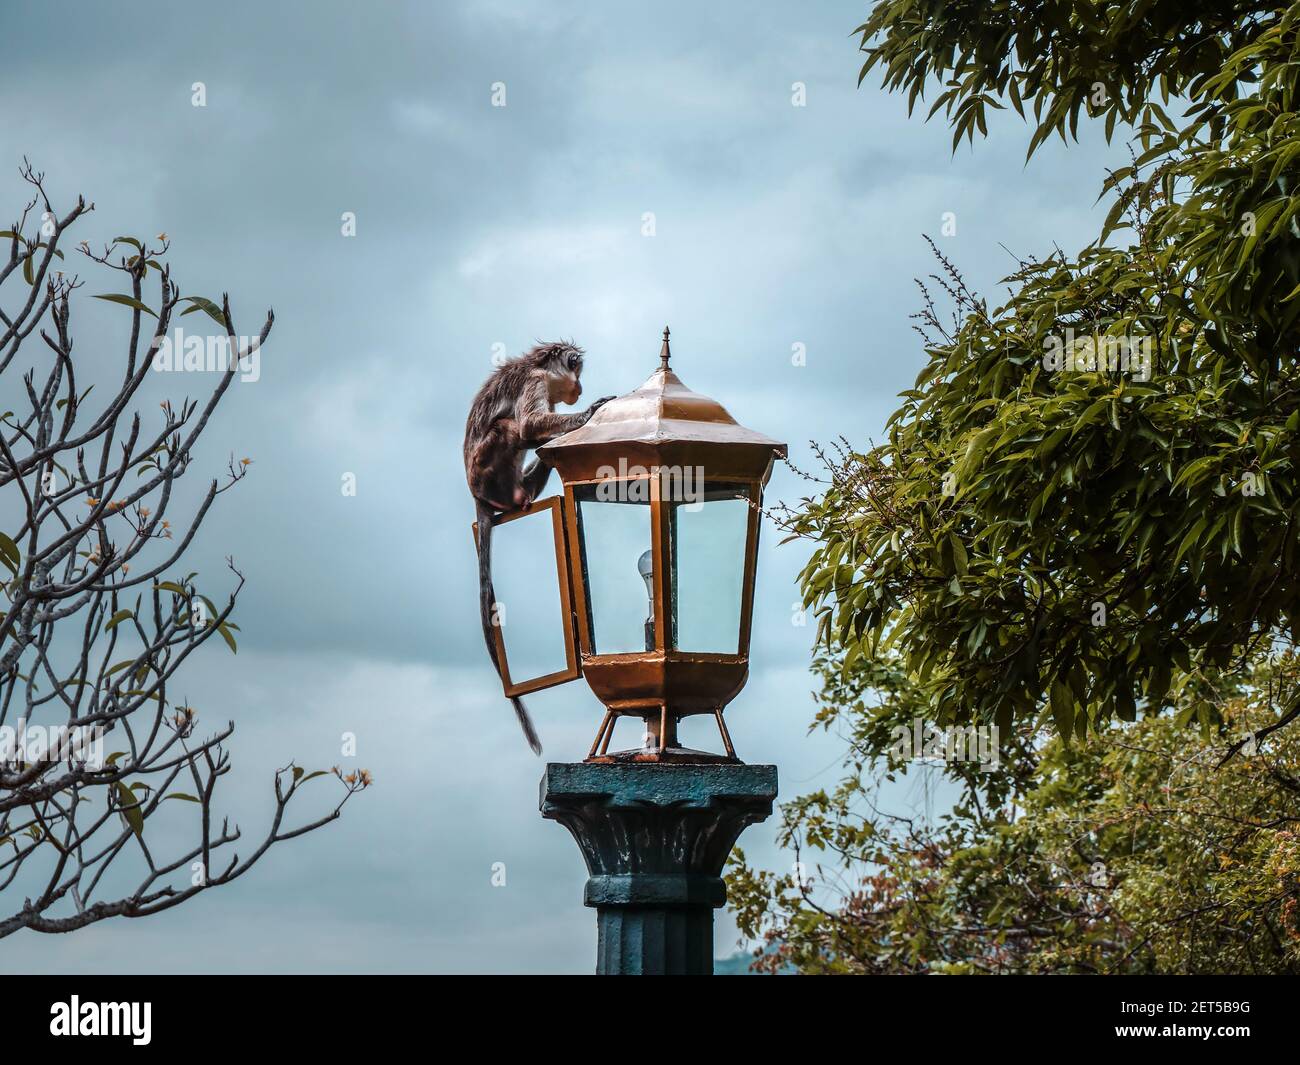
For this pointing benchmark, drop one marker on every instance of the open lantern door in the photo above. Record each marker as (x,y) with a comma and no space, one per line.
(528,603)
(655,545)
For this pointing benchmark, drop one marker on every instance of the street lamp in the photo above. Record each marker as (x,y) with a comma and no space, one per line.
(662,496)
(661,484)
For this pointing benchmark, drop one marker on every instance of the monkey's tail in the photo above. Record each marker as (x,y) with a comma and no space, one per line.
(487,599)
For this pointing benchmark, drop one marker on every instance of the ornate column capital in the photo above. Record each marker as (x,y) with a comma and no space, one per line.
(655,837)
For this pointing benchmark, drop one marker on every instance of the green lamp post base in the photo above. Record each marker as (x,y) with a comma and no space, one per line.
(655,837)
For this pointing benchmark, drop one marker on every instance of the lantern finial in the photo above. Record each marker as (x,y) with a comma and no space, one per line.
(664,353)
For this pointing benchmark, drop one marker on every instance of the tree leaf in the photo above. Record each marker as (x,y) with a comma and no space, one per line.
(1062,704)
(200,303)
(126,301)
(9,554)
(129,804)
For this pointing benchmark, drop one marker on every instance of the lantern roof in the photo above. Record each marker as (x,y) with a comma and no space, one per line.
(664,421)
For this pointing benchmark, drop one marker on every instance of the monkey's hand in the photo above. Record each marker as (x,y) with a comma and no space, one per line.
(585,416)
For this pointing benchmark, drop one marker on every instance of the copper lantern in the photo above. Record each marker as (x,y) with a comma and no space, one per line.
(656,542)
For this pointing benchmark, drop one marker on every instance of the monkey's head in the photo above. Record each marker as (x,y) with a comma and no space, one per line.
(562,361)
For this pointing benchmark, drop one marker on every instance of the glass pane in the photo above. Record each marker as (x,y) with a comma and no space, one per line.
(614,530)
(527,587)
(708,553)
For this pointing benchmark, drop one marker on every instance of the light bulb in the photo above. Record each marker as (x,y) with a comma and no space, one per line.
(645,566)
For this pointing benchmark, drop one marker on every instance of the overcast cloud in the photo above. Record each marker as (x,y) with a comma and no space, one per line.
(775,225)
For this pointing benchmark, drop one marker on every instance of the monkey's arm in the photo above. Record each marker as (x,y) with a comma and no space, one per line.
(537,422)
(535,476)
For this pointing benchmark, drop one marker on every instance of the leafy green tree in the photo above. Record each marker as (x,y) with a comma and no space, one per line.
(1130,852)
(1086,507)
(1084,512)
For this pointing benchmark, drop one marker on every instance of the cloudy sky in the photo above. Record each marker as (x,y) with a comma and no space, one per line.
(481,228)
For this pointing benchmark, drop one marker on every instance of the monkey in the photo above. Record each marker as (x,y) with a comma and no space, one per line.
(513,413)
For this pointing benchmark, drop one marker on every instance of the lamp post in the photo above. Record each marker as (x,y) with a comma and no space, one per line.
(662,492)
